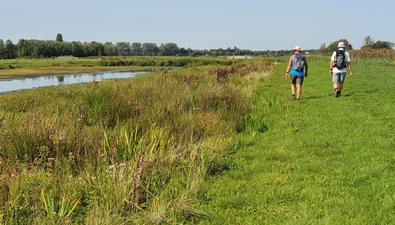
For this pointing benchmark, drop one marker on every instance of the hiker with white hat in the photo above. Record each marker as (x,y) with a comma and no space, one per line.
(340,61)
(298,69)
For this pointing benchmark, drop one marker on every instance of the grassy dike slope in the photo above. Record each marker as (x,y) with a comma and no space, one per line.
(121,152)
(322,160)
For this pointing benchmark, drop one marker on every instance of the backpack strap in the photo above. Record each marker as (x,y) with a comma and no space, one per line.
(295,56)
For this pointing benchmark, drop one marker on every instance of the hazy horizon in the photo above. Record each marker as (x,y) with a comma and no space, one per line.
(252,24)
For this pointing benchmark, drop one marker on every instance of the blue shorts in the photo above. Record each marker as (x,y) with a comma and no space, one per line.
(297,73)
(338,78)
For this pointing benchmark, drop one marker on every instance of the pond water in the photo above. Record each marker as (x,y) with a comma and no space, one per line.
(17,84)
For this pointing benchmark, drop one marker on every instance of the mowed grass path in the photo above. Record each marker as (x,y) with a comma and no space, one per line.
(322,161)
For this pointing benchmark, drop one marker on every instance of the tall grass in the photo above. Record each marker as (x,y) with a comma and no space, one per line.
(119,152)
(373,53)
(112,61)
(38,67)
(163,61)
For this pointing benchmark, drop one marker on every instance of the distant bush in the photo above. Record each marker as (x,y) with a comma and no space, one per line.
(369,43)
(333,46)
(373,53)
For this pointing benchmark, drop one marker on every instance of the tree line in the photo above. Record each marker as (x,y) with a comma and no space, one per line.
(54,48)
(368,43)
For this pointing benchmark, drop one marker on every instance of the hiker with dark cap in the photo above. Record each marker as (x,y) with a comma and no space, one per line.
(298,69)
(340,61)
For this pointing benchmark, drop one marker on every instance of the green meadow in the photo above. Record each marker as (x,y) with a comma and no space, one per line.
(216,141)
(320,160)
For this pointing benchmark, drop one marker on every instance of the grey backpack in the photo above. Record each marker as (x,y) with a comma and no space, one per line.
(340,59)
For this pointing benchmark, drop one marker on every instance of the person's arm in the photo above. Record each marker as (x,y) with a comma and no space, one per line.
(289,67)
(331,66)
(349,68)
(306,68)
(349,64)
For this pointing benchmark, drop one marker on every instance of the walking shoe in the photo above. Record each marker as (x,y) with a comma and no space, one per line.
(338,93)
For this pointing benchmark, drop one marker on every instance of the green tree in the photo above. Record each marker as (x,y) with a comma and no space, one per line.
(92,48)
(150,49)
(123,48)
(2,49)
(168,49)
(59,37)
(110,49)
(333,46)
(382,45)
(368,42)
(24,48)
(183,52)
(67,48)
(136,49)
(77,49)
(9,50)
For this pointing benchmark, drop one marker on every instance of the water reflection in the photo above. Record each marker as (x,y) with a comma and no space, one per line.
(60,80)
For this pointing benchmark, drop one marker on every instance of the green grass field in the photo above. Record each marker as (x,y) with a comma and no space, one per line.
(219,142)
(322,160)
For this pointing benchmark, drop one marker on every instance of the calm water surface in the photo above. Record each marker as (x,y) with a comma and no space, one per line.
(17,84)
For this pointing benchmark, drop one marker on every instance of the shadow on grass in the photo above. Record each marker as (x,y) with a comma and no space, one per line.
(313,97)
(348,95)
(329,95)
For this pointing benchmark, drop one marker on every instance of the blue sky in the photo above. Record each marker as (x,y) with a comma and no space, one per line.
(201,24)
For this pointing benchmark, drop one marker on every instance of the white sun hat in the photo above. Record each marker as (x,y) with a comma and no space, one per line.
(297,48)
(341,45)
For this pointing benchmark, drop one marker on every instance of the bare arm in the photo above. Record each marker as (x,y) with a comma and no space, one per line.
(289,67)
(349,68)
(306,68)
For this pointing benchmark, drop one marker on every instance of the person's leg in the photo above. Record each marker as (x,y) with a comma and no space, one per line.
(336,83)
(340,87)
(293,84)
(342,77)
(335,86)
(341,81)
(299,87)
(298,91)
(293,89)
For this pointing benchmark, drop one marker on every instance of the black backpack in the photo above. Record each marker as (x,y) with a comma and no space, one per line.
(340,59)
(298,62)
